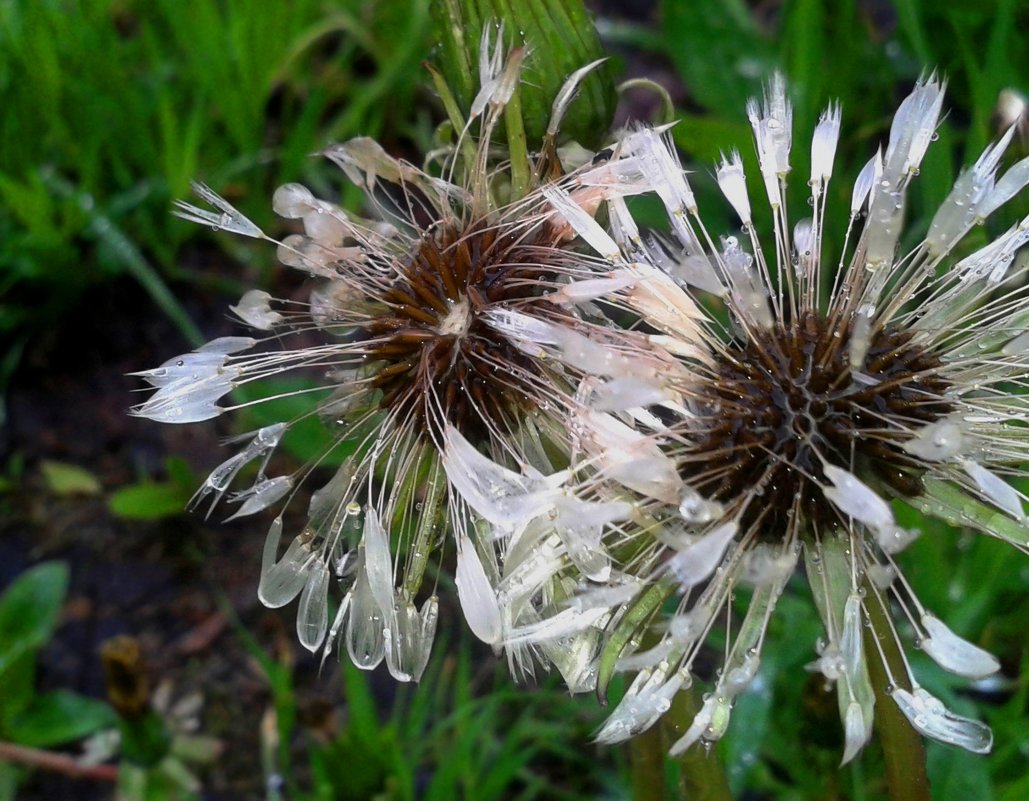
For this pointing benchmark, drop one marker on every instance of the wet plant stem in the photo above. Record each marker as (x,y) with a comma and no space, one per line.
(701,776)
(903,748)
(517,148)
(647,765)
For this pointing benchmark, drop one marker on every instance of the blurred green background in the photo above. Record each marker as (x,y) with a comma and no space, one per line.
(108,108)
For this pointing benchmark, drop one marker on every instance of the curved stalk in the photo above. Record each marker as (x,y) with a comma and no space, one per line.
(903,748)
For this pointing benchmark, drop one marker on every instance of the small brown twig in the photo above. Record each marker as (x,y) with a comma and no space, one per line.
(59,763)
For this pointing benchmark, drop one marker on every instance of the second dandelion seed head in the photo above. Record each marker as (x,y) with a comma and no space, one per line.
(774,410)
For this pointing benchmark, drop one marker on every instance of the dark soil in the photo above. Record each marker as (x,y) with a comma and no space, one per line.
(178,585)
(162,583)
(184,587)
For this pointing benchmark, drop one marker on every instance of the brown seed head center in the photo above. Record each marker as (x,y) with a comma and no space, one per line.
(785,403)
(434,342)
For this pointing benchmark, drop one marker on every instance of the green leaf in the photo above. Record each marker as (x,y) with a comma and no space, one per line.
(911,23)
(751,719)
(804,39)
(958,775)
(145,740)
(363,720)
(19,682)
(180,472)
(8,781)
(149,500)
(29,610)
(308,438)
(718,50)
(59,717)
(69,479)
(706,137)
(559,38)
(1016,791)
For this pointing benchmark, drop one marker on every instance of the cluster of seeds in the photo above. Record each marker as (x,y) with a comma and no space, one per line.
(553,398)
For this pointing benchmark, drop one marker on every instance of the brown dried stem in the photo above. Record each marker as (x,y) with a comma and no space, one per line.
(58,763)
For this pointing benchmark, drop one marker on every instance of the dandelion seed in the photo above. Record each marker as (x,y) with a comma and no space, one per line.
(823,402)
(453,329)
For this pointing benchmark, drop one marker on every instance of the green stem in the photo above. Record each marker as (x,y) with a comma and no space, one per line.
(903,748)
(457,120)
(517,146)
(701,777)
(647,762)
(429,520)
(642,608)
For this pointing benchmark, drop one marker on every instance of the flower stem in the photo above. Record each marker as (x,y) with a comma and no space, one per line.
(516,145)
(903,749)
(647,765)
(701,777)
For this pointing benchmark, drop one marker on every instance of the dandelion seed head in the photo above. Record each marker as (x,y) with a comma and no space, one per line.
(434,338)
(441,342)
(778,408)
(600,421)
(819,391)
